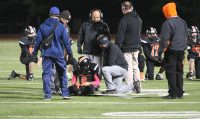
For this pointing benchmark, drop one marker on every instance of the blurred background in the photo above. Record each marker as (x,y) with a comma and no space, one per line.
(15,15)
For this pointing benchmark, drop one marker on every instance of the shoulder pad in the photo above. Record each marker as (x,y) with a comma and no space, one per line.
(144,40)
(94,67)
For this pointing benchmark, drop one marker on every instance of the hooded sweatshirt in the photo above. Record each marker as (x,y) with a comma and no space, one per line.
(169,10)
(173,30)
(60,40)
(129,31)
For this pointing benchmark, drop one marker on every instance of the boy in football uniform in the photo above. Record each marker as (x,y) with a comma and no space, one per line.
(85,79)
(150,46)
(193,49)
(26,44)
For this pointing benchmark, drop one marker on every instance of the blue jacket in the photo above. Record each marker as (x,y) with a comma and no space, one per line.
(60,41)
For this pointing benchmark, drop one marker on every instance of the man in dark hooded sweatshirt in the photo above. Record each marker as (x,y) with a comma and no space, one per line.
(174,43)
(128,40)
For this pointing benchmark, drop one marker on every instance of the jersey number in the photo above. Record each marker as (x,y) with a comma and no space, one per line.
(154,51)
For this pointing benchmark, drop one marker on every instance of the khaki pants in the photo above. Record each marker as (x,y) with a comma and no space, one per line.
(133,69)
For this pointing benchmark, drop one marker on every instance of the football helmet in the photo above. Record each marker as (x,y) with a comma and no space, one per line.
(151,30)
(30,31)
(193,32)
(83,61)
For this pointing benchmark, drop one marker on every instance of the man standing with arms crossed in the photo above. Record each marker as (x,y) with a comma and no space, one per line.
(174,43)
(128,40)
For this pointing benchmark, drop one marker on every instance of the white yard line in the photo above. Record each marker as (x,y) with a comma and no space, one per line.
(62,117)
(151,114)
(121,115)
(84,102)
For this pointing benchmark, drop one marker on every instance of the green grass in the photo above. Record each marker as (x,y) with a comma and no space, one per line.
(23,99)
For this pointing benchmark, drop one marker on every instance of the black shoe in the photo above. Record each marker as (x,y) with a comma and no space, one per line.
(12,75)
(169,97)
(187,75)
(137,87)
(109,92)
(180,96)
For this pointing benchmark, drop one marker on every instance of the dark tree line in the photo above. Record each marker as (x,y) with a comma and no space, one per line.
(16,14)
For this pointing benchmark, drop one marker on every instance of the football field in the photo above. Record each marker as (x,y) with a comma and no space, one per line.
(20,99)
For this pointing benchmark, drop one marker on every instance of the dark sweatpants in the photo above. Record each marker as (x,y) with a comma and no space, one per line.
(174,72)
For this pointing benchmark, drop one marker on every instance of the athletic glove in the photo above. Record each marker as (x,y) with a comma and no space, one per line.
(70,59)
(160,59)
(79,51)
(34,58)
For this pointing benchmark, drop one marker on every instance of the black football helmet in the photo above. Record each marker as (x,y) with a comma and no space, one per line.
(193,32)
(83,61)
(151,30)
(193,29)
(30,31)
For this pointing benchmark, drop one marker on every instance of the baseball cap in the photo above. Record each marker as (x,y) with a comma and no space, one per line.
(54,11)
(103,40)
(65,14)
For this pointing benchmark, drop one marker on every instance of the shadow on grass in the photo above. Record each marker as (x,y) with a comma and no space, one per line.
(24,88)
(17,97)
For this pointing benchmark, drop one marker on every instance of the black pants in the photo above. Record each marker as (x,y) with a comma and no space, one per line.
(150,69)
(141,63)
(174,72)
(197,67)
(26,61)
(83,90)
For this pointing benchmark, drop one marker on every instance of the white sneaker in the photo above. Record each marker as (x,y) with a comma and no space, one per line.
(190,78)
(66,98)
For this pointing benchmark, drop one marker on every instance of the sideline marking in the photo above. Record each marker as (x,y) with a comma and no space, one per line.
(123,103)
(123,115)
(151,114)
(63,117)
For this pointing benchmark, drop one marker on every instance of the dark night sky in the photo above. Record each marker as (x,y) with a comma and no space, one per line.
(16,14)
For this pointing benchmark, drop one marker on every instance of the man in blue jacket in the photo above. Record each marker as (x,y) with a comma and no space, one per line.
(55,53)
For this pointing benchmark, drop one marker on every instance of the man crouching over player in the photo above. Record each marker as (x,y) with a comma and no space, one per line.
(115,68)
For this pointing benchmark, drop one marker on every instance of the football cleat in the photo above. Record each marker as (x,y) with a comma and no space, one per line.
(12,75)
